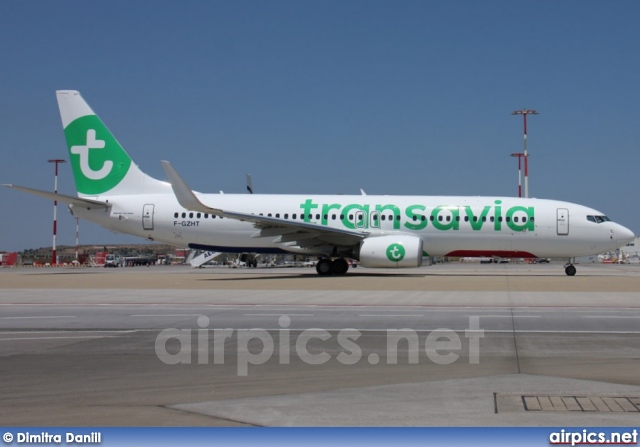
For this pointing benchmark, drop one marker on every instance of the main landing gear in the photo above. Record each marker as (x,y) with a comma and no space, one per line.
(569,268)
(326,267)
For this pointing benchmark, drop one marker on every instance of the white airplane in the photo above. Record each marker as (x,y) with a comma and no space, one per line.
(378,231)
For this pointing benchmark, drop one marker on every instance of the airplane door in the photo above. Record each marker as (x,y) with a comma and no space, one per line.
(361,219)
(147,217)
(563,221)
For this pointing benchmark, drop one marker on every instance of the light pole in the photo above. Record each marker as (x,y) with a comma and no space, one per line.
(519,155)
(54,258)
(524,113)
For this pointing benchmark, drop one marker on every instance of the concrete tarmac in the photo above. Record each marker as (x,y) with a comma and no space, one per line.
(462,344)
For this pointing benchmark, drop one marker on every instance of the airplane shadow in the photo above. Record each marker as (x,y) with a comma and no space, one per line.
(385,275)
(311,276)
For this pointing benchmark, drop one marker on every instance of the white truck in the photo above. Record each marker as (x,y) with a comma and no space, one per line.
(112,261)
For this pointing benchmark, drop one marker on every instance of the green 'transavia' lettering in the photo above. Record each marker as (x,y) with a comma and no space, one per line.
(355,216)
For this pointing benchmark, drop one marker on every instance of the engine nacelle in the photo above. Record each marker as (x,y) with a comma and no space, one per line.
(393,251)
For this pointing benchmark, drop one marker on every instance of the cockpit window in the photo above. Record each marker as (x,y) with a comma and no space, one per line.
(598,219)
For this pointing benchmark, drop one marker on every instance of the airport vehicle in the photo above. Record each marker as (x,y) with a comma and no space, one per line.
(112,260)
(377,231)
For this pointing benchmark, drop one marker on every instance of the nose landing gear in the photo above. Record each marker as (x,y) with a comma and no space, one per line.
(569,268)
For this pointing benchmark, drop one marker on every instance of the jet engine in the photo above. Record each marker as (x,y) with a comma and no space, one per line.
(391,251)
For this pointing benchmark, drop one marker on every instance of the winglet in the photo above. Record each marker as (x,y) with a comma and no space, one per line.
(249,185)
(186,198)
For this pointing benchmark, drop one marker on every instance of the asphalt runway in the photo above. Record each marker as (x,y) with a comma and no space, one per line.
(457,344)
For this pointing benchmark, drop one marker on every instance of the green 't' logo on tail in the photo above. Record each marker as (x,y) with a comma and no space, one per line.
(99,162)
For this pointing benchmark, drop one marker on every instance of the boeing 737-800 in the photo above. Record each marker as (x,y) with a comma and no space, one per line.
(378,231)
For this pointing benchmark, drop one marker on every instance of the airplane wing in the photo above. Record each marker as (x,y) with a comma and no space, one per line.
(62,198)
(303,233)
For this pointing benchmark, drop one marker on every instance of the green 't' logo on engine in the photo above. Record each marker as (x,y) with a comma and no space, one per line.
(99,163)
(395,252)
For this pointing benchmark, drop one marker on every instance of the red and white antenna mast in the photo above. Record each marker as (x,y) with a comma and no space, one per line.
(54,258)
(524,113)
(519,155)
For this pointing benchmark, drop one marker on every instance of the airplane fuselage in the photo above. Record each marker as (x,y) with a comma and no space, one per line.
(448,226)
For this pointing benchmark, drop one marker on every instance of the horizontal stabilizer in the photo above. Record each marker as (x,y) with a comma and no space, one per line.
(71,200)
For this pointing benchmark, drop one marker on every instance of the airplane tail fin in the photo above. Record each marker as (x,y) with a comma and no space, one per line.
(100,164)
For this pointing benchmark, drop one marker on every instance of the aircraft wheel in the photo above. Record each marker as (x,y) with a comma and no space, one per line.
(570,270)
(339,266)
(323,267)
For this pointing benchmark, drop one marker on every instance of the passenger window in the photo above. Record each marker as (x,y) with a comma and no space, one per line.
(439,218)
(415,217)
(326,217)
(278,215)
(333,217)
(206,216)
(293,216)
(175,215)
(383,217)
(515,219)
(190,215)
(184,215)
(198,215)
(475,218)
(492,218)
(423,218)
(466,218)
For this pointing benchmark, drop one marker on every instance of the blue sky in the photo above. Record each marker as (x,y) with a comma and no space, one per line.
(409,97)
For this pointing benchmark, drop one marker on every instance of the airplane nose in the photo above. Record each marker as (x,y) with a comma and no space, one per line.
(624,235)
